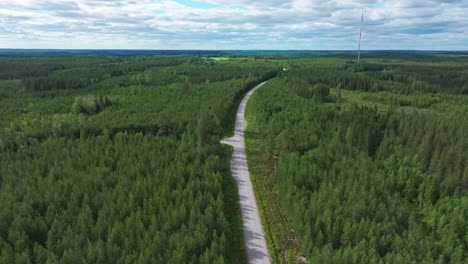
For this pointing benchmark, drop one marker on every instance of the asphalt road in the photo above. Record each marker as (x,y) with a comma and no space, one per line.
(255,243)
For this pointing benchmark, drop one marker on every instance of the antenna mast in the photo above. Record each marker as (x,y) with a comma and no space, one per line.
(360,37)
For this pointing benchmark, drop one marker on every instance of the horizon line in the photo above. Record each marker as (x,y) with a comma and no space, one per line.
(137,49)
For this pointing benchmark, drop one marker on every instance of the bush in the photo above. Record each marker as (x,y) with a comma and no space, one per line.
(91,104)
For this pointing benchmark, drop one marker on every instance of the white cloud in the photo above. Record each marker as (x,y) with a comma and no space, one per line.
(273,24)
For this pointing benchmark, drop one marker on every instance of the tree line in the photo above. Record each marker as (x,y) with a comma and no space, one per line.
(361,184)
(129,170)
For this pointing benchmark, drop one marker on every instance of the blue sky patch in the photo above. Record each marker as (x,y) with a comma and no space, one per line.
(422,31)
(196,4)
(378,5)
(239,7)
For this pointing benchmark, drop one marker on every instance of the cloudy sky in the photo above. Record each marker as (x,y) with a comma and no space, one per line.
(231,24)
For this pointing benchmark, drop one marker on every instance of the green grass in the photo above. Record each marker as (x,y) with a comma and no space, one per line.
(357,97)
(220,58)
(437,103)
(236,246)
(282,243)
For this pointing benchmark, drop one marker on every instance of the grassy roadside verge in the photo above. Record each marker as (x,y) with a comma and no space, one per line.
(281,240)
(235,244)
(229,120)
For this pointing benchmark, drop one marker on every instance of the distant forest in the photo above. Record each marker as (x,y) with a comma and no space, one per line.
(115,157)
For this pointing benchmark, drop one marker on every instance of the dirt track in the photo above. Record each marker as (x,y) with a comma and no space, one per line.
(255,243)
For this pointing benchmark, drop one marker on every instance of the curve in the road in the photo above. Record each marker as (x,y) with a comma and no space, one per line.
(257,251)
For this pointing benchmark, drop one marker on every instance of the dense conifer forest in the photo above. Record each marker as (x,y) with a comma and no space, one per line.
(371,158)
(116,159)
